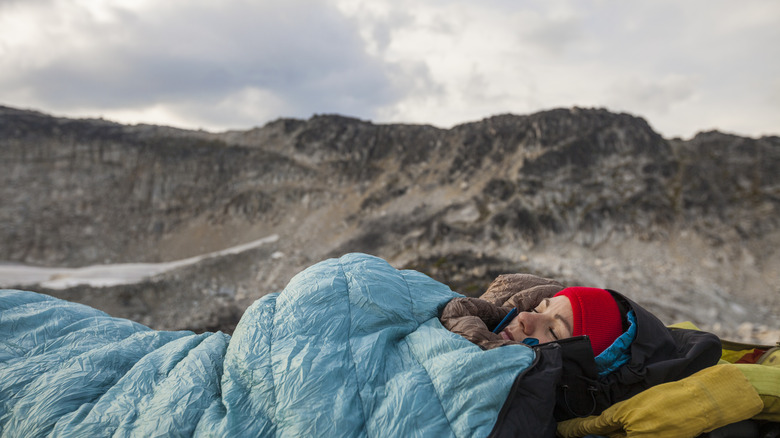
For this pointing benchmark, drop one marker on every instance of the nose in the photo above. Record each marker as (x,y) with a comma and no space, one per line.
(529,321)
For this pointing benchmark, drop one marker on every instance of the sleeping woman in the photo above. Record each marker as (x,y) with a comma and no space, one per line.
(611,347)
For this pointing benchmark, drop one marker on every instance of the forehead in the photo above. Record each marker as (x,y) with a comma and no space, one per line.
(559,304)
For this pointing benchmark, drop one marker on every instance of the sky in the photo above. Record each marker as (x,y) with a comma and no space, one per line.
(684,66)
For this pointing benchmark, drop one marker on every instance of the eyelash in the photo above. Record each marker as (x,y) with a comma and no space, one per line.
(551,330)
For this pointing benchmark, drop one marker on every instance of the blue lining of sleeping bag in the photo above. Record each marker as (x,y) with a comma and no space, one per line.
(619,353)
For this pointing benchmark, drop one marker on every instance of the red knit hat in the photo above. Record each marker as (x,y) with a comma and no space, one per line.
(596,314)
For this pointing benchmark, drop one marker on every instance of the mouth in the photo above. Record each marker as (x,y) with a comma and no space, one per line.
(507,336)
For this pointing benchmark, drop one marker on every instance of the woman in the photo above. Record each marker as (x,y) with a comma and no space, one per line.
(609,347)
(574,311)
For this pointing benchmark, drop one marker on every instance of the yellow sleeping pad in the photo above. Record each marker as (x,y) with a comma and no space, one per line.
(712,398)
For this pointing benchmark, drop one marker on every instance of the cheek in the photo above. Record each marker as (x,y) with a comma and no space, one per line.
(545,337)
(514,326)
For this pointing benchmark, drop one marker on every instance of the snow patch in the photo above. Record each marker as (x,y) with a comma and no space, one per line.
(108,275)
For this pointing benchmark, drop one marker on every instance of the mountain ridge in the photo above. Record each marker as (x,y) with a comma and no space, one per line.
(503,194)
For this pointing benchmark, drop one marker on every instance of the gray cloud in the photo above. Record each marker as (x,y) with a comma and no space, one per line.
(656,96)
(306,53)
(555,34)
(237,63)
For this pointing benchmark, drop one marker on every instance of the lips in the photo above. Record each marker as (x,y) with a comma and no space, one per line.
(507,336)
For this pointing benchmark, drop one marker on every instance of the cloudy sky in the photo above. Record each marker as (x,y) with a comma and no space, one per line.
(685,66)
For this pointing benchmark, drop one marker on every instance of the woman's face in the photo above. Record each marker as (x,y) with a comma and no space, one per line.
(551,320)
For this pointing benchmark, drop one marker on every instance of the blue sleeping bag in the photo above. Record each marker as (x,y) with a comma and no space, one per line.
(351,347)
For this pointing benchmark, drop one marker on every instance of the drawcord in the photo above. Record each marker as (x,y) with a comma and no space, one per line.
(591,389)
(505,322)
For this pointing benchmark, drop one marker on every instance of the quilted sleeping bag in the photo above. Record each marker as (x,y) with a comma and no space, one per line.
(351,347)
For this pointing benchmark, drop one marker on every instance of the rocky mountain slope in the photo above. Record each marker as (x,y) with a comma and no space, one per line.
(586,196)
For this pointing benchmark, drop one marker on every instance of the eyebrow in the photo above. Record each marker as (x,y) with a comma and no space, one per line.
(558,316)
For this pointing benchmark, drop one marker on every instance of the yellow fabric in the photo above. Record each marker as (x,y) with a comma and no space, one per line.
(712,398)
(685,325)
(771,358)
(734,351)
(766,381)
(732,356)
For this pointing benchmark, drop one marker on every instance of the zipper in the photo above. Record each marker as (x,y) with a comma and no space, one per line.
(516,384)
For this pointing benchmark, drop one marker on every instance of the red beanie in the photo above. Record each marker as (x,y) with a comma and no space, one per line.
(596,314)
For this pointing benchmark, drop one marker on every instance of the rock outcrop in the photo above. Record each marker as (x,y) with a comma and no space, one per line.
(688,227)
